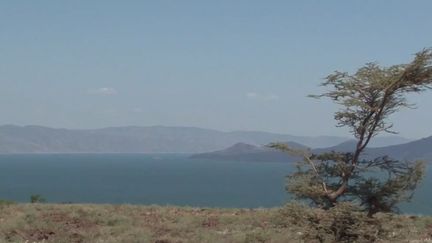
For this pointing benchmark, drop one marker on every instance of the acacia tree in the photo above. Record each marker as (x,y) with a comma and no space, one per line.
(367,99)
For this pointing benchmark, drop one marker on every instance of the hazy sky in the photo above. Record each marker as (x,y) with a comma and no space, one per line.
(227,65)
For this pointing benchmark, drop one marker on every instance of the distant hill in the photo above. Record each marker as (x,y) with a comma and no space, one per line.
(135,139)
(262,138)
(384,141)
(247,152)
(346,146)
(419,149)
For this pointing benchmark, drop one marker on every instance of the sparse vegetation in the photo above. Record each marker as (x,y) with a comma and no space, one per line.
(126,223)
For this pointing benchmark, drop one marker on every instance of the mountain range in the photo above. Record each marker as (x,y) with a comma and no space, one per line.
(419,149)
(153,139)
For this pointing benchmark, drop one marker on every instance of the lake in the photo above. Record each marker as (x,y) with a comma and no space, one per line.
(163,179)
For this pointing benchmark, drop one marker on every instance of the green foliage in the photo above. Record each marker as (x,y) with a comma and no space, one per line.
(383,192)
(377,185)
(367,97)
(36,198)
(373,93)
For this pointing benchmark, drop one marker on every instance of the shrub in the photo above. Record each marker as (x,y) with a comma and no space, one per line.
(36,198)
(344,222)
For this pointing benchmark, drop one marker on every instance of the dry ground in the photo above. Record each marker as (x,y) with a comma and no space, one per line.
(126,223)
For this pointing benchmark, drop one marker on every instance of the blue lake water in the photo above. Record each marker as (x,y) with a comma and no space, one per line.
(156,179)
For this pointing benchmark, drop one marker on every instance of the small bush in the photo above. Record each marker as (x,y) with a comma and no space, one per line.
(37,199)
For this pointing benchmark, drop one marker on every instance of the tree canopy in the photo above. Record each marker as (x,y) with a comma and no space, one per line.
(367,99)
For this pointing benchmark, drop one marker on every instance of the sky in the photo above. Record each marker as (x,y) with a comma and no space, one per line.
(225,65)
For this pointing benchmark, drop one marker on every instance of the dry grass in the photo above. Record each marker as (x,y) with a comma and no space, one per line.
(126,223)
